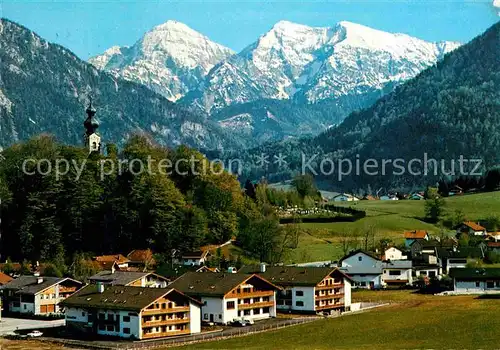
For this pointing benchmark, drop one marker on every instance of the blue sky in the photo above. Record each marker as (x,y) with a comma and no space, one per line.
(89,27)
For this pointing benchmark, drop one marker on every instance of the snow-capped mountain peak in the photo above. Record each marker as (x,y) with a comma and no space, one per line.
(316,63)
(171,59)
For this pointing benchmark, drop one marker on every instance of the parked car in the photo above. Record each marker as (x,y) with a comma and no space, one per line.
(249,321)
(35,334)
(240,323)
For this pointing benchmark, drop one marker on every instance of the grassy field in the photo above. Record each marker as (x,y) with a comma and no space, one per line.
(416,322)
(389,219)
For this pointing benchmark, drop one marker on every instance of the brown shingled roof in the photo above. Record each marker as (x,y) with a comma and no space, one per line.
(294,275)
(119,297)
(214,284)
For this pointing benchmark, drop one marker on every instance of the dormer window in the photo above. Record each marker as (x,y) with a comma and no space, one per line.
(360,258)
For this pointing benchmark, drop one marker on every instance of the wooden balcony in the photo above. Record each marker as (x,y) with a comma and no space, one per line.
(255,305)
(164,334)
(330,286)
(165,311)
(266,293)
(167,322)
(328,307)
(329,296)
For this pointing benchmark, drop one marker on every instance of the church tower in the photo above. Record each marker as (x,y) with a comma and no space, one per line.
(91,138)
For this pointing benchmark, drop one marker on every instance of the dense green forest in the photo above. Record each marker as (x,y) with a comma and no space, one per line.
(123,201)
(450,109)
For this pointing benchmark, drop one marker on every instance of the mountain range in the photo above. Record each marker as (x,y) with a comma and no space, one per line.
(348,66)
(44,88)
(449,111)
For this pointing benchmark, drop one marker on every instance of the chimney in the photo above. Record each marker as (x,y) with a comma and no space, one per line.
(100,287)
(39,280)
(262,267)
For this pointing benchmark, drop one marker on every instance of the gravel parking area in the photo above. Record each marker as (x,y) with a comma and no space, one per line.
(8,324)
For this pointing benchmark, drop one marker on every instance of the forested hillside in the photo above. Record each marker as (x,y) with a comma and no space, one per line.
(123,201)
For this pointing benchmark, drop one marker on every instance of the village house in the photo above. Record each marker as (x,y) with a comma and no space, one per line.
(475,280)
(416,196)
(426,266)
(394,253)
(470,228)
(458,257)
(397,273)
(493,246)
(35,295)
(492,237)
(197,258)
(411,236)
(389,197)
(230,296)
(141,259)
(363,268)
(107,261)
(344,197)
(129,278)
(132,312)
(307,289)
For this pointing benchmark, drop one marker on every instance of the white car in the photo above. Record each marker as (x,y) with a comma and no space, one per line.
(35,334)
(249,321)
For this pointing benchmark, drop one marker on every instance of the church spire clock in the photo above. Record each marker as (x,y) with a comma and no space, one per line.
(91,138)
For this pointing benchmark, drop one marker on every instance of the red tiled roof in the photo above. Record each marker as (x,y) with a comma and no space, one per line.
(141,255)
(417,234)
(494,244)
(120,259)
(4,278)
(474,226)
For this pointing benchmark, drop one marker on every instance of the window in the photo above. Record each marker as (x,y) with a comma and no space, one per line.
(299,293)
(256,311)
(230,305)
(102,316)
(394,273)
(265,299)
(239,313)
(478,284)
(299,303)
(102,327)
(246,312)
(279,302)
(126,330)
(288,302)
(490,284)
(432,273)
(360,258)
(110,328)
(362,284)
(205,316)
(16,304)
(220,316)
(126,318)
(265,310)
(25,307)
(83,314)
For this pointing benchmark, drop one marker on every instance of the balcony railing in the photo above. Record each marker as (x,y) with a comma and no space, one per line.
(255,305)
(331,306)
(266,293)
(164,334)
(329,296)
(330,286)
(165,322)
(165,311)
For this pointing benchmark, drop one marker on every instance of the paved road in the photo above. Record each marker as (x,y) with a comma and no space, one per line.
(8,324)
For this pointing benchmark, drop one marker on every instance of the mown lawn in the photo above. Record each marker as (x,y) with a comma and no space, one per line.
(416,322)
(389,219)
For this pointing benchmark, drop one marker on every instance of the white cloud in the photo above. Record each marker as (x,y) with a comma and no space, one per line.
(496,5)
